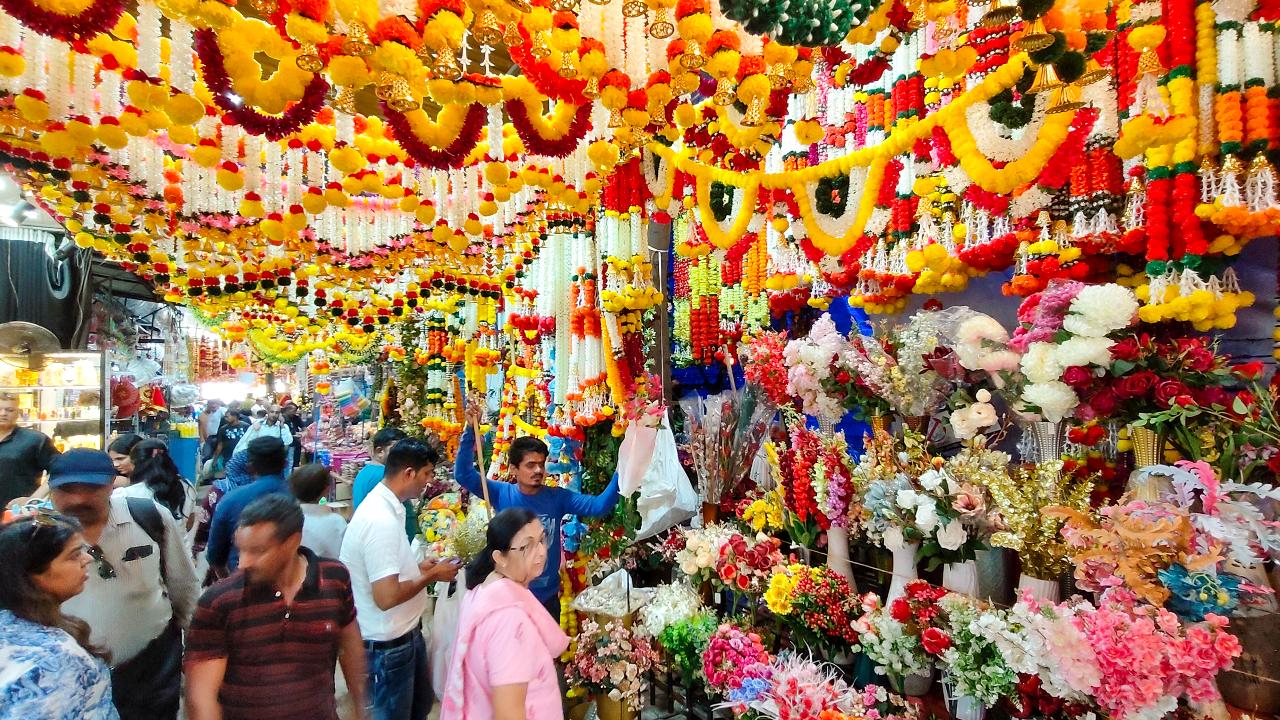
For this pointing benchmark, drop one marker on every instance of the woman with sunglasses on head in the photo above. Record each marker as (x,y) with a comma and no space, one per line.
(48,668)
(503,663)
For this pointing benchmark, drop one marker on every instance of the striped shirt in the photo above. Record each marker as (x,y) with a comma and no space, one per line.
(280,658)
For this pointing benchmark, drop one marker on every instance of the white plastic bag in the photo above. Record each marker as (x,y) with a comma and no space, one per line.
(667,498)
(444,630)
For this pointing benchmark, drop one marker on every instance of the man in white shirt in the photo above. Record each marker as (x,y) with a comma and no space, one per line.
(142,588)
(390,585)
(273,425)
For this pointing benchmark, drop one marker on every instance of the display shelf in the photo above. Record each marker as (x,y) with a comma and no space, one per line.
(45,388)
(56,398)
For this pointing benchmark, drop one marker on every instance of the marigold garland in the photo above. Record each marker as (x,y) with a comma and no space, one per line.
(98,17)
(445,149)
(557,136)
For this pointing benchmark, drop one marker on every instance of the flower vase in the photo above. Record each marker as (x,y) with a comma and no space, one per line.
(912,685)
(915,423)
(904,570)
(880,423)
(961,707)
(609,709)
(710,513)
(1044,440)
(838,554)
(1148,446)
(1046,590)
(961,577)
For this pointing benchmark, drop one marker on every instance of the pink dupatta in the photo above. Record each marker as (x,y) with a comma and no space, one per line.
(498,595)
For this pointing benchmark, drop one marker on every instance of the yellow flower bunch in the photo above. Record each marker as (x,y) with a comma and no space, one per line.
(766,514)
(1204,309)
(782,585)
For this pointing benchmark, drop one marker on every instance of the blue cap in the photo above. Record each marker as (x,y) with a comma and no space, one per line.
(81,466)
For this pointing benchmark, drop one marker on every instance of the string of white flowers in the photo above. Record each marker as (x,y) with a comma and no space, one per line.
(495,132)
(991,142)
(181,56)
(33,51)
(315,168)
(637,58)
(614,38)
(84,82)
(58,92)
(10,36)
(272,172)
(109,95)
(148,31)
(1229,70)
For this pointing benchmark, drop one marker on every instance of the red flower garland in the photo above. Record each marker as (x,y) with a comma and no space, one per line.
(423,154)
(547,80)
(535,144)
(100,16)
(274,127)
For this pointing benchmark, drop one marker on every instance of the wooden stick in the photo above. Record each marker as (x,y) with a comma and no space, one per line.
(484,474)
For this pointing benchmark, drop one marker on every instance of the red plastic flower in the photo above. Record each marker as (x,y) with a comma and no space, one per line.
(934,641)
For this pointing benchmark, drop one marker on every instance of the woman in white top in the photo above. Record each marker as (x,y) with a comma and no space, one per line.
(156,476)
(322,528)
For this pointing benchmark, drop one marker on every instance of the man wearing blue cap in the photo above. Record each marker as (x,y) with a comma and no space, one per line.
(142,587)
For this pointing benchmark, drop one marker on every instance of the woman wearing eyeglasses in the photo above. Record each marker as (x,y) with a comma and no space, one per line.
(503,664)
(48,669)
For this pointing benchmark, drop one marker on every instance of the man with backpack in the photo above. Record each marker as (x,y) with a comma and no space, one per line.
(142,588)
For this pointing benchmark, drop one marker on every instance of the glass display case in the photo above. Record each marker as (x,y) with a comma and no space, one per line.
(61,394)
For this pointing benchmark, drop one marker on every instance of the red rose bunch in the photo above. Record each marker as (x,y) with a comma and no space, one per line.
(746,567)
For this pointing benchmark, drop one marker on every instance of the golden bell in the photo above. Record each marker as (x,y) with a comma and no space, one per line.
(634,8)
(564,5)
(485,29)
(266,7)
(802,84)
(309,60)
(385,89)
(615,118)
(755,112)
(1046,79)
(724,92)
(592,90)
(345,102)
(661,26)
(1149,62)
(521,5)
(357,42)
(693,59)
(1034,39)
(1068,100)
(1093,73)
(684,83)
(780,76)
(999,14)
(402,99)
(511,37)
(446,65)
(540,47)
(568,66)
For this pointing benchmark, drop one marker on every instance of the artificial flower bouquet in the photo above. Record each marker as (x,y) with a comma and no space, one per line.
(873,703)
(972,659)
(725,432)
(896,368)
(1020,497)
(816,473)
(797,687)
(733,657)
(896,509)
(696,551)
(903,638)
(684,641)
(816,605)
(957,489)
(1065,336)
(746,566)
(437,524)
(671,603)
(612,660)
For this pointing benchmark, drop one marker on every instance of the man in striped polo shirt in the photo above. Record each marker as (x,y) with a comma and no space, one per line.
(264,641)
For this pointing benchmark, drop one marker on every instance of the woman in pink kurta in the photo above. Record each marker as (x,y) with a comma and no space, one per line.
(503,662)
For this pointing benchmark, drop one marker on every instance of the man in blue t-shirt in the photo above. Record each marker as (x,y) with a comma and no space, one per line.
(527,459)
(265,457)
(372,473)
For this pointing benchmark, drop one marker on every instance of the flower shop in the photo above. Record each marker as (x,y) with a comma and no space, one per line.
(929,339)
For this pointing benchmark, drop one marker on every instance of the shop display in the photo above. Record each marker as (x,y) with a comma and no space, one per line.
(59,394)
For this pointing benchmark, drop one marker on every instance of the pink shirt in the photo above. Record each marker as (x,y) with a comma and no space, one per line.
(505,637)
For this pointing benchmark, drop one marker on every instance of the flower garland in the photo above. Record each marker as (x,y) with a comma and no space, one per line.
(545,78)
(408,128)
(97,17)
(554,137)
(274,127)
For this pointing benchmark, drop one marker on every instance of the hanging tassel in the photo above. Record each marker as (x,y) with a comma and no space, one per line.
(1229,182)
(1260,186)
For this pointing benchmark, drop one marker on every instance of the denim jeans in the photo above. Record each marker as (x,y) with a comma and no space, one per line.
(399,680)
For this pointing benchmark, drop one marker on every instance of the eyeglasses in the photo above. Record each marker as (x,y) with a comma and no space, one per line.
(43,517)
(542,541)
(105,571)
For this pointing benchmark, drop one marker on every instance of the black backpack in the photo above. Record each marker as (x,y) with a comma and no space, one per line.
(146,513)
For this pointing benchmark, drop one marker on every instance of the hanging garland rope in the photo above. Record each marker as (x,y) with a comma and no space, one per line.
(275,127)
(98,17)
(556,136)
(453,148)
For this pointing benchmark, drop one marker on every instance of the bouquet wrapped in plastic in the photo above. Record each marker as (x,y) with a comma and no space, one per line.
(725,432)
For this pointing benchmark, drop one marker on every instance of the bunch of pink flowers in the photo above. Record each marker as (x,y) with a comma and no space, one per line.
(733,656)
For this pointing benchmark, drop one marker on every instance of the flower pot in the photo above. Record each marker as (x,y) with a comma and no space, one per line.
(912,685)
(961,577)
(609,709)
(710,513)
(1046,590)
(995,576)
(1253,683)
(1044,441)
(1148,446)
(962,707)
(915,423)
(880,424)
(904,570)
(838,554)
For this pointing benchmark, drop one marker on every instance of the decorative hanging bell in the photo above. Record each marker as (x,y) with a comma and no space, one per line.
(309,60)
(521,5)
(780,76)
(999,14)
(724,92)
(402,99)
(615,118)
(266,7)
(755,112)
(541,49)
(1068,100)
(485,29)
(802,84)
(1046,79)
(385,89)
(1035,38)
(1094,73)
(693,57)
(634,8)
(345,102)
(569,65)
(592,90)
(446,65)
(684,83)
(511,36)
(564,5)
(661,27)
(357,42)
